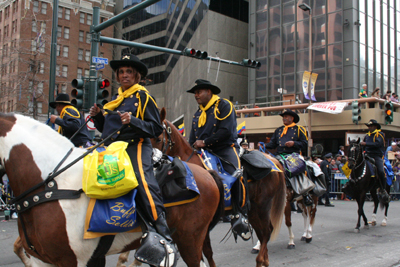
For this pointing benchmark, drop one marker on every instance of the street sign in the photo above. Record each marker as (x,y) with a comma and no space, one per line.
(100,60)
(99,66)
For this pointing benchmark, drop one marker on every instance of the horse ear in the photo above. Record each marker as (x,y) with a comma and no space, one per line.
(349,140)
(358,140)
(163,114)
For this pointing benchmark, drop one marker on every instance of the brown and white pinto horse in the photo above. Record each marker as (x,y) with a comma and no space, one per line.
(30,150)
(267,195)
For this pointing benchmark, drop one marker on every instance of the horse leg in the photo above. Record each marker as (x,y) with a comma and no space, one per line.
(123,257)
(306,222)
(384,221)
(366,225)
(207,250)
(19,250)
(288,222)
(262,257)
(359,212)
(376,203)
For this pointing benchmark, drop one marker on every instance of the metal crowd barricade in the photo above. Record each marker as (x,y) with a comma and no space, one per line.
(337,182)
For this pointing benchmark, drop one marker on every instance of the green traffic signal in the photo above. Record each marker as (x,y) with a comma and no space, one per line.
(355,112)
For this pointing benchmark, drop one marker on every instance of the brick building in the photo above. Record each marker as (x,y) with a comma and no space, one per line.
(25,39)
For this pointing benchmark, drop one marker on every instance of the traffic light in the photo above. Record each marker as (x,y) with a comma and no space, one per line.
(355,111)
(388,112)
(191,52)
(251,63)
(102,92)
(77,93)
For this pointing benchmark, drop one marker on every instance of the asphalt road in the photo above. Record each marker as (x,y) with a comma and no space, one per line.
(334,241)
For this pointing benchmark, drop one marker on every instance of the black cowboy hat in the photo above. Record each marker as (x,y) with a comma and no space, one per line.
(62,99)
(244,142)
(287,111)
(130,60)
(204,84)
(373,122)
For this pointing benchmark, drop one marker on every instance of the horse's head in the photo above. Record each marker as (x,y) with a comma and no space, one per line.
(354,152)
(29,150)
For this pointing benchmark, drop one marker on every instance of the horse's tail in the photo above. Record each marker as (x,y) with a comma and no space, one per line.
(221,205)
(278,205)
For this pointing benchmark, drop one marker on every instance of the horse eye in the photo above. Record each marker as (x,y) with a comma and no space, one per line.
(158,140)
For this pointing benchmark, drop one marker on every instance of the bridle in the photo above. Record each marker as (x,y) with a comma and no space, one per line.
(355,155)
(166,143)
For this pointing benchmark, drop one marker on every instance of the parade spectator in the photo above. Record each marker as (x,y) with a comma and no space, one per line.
(261,146)
(393,147)
(341,150)
(363,92)
(376,93)
(393,98)
(256,114)
(246,114)
(388,95)
(325,168)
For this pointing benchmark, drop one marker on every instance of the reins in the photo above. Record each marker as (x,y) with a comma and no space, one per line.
(166,143)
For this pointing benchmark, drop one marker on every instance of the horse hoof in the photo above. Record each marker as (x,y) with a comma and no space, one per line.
(373,223)
(308,240)
(303,238)
(383,224)
(366,226)
(357,230)
(254,251)
(292,246)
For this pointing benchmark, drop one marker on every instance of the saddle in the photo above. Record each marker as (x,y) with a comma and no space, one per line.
(256,165)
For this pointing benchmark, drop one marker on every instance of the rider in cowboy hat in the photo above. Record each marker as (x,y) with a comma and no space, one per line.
(214,127)
(374,142)
(70,120)
(290,138)
(137,109)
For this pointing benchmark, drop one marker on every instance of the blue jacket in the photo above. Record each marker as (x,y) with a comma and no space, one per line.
(216,133)
(296,133)
(148,127)
(70,123)
(375,144)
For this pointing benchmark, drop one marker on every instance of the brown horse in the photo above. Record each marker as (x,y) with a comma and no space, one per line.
(267,195)
(30,150)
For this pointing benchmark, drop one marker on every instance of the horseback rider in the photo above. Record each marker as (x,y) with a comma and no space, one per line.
(374,143)
(69,121)
(326,169)
(137,109)
(214,127)
(290,138)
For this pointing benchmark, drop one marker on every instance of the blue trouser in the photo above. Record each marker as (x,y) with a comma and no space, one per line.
(380,170)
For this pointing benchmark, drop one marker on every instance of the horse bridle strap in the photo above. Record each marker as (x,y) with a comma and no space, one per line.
(170,142)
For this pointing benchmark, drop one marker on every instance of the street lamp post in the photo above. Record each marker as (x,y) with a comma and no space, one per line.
(305,8)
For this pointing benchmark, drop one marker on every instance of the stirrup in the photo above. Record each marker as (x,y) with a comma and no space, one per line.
(241,227)
(155,250)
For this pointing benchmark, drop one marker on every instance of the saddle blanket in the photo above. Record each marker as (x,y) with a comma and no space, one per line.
(113,216)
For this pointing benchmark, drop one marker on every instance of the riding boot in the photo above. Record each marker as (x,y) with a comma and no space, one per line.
(157,247)
(308,201)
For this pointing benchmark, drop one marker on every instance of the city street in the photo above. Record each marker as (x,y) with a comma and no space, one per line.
(334,241)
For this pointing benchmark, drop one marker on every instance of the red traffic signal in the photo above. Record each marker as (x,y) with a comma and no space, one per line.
(103,83)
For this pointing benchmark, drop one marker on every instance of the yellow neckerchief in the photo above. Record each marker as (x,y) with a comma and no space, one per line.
(203,115)
(286,128)
(376,133)
(64,111)
(124,94)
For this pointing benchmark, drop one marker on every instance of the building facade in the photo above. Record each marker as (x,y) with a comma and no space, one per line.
(25,38)
(353,43)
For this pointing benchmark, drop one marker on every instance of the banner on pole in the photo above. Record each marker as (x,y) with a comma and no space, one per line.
(329,107)
(306,80)
(312,83)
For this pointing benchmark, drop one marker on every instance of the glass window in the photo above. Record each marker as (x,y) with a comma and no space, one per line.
(320,83)
(273,84)
(67,14)
(385,13)
(262,44)
(89,19)
(378,61)
(335,55)
(392,67)
(87,55)
(378,81)
(398,71)
(288,63)
(302,14)
(66,33)
(274,2)
(274,16)
(288,13)
(289,83)
(362,29)
(65,51)
(88,37)
(319,57)
(319,7)
(377,10)
(81,33)
(65,71)
(44,8)
(261,88)
(334,5)
(335,27)
(319,33)
(288,37)
(64,88)
(59,31)
(79,73)
(362,5)
(36,6)
(60,12)
(41,66)
(363,59)
(262,71)
(335,94)
(80,54)
(274,41)
(86,73)
(370,29)
(34,26)
(363,77)
(81,17)
(377,33)
(262,20)
(370,82)
(303,60)
(58,51)
(58,70)
(274,65)
(385,61)
(262,4)
(385,35)
(302,34)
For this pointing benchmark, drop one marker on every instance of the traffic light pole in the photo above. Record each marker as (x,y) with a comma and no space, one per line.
(94,52)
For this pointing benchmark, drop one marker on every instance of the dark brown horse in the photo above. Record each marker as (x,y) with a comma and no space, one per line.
(267,195)
(30,150)
(361,182)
